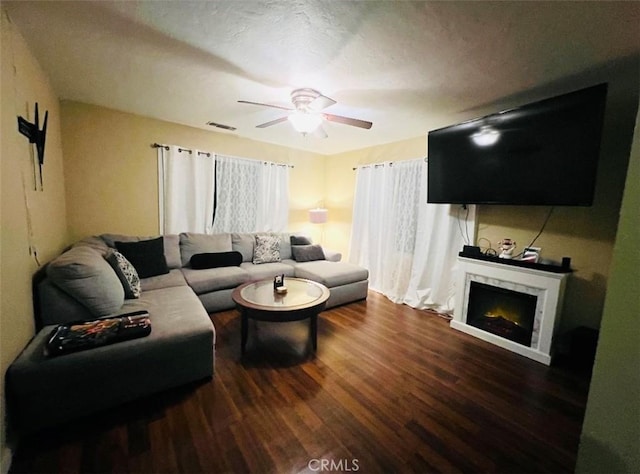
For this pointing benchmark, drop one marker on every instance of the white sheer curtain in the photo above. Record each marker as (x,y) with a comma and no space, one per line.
(368,227)
(409,246)
(186,190)
(251,195)
(237,183)
(273,205)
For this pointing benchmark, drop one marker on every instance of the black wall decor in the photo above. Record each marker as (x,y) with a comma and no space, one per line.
(35,135)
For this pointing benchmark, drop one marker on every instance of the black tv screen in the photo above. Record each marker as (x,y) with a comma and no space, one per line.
(544,153)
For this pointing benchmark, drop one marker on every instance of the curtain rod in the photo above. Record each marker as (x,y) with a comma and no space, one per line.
(277,164)
(180,149)
(377,165)
(166,147)
(254,160)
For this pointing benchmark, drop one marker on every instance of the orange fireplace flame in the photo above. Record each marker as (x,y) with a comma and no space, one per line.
(509,315)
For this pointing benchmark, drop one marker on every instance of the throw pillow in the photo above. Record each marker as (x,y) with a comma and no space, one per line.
(126,273)
(307,253)
(201,261)
(300,240)
(267,249)
(147,256)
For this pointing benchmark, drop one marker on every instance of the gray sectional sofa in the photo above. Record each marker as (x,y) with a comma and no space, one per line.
(80,285)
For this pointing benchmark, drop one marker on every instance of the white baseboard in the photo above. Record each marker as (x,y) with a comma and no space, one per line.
(6,460)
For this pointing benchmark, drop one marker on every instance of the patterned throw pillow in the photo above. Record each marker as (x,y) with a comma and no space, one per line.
(126,273)
(267,248)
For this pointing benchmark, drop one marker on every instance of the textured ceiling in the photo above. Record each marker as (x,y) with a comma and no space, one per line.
(408,67)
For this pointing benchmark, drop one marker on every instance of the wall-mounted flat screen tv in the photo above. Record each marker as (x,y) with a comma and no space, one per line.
(543,153)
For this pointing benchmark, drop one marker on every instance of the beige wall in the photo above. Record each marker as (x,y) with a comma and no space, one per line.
(610,440)
(111,169)
(24,84)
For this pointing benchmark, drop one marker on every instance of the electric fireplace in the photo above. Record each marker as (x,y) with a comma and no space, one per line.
(505,313)
(513,307)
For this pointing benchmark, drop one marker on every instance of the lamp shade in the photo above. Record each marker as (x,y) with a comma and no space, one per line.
(318,216)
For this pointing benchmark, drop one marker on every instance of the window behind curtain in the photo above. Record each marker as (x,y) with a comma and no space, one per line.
(203,193)
(251,196)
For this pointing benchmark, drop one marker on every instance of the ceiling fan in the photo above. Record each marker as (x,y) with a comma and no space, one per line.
(306,116)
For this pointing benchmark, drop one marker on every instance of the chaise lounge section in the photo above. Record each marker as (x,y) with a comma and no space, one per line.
(214,286)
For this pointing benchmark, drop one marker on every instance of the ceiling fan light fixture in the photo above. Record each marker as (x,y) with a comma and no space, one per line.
(486,136)
(305,116)
(305,122)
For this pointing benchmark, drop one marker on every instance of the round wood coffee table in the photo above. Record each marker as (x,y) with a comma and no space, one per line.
(304,299)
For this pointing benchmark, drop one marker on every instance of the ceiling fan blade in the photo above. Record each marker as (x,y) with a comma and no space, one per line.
(273,122)
(321,102)
(319,132)
(348,121)
(264,105)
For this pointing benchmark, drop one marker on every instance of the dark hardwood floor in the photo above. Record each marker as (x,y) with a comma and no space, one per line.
(391,389)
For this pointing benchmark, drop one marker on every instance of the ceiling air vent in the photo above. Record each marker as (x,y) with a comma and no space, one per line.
(222,126)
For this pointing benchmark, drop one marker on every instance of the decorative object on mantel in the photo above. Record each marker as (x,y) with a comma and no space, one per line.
(531,254)
(507,246)
(35,135)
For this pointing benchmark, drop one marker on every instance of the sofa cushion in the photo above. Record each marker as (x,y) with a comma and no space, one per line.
(285,246)
(168,280)
(172,250)
(332,255)
(213,279)
(267,270)
(167,306)
(202,261)
(307,253)
(267,249)
(147,256)
(84,274)
(126,272)
(331,274)
(55,306)
(111,239)
(191,244)
(94,242)
(243,243)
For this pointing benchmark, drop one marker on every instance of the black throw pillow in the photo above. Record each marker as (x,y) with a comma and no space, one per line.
(201,261)
(146,256)
(307,253)
(300,240)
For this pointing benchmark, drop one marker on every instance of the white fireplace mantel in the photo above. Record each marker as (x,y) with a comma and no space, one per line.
(547,286)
